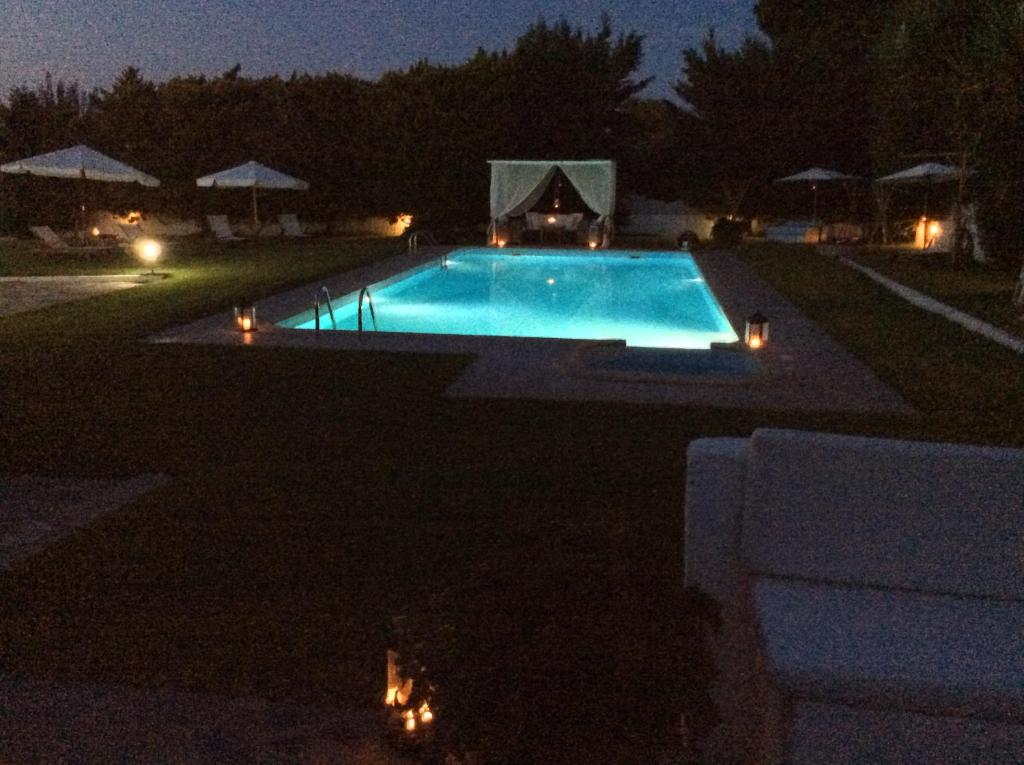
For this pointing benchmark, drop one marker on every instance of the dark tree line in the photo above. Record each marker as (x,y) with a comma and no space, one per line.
(863,86)
(868,87)
(415,140)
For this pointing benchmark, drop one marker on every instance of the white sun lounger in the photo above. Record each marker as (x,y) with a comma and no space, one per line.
(290,225)
(222,229)
(49,237)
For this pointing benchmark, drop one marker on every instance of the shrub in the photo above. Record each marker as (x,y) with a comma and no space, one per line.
(726,231)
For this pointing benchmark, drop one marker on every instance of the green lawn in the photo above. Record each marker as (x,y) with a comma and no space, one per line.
(326,505)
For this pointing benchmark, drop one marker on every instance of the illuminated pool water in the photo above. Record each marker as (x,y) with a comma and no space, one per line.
(649,299)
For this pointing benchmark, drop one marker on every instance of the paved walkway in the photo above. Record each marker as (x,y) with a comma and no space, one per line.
(29,293)
(1002,337)
(44,721)
(36,511)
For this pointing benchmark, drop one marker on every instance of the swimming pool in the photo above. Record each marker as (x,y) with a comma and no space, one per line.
(649,299)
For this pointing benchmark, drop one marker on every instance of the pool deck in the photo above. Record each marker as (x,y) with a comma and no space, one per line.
(804,369)
(30,293)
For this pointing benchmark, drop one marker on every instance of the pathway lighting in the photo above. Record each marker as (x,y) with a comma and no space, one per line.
(756,335)
(245,317)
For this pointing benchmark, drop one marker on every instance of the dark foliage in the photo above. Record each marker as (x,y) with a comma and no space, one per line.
(414,141)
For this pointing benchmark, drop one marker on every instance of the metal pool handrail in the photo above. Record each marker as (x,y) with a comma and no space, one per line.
(365,291)
(414,240)
(316,308)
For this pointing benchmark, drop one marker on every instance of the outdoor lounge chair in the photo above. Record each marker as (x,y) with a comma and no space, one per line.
(290,225)
(222,229)
(49,237)
(53,241)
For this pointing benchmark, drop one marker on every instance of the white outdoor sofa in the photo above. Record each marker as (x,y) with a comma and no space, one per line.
(871,593)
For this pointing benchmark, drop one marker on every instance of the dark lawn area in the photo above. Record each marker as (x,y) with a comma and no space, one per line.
(326,506)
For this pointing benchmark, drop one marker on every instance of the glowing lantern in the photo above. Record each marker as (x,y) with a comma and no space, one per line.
(926,232)
(552,219)
(502,242)
(95,231)
(592,244)
(398,694)
(756,335)
(245,317)
(399,690)
(426,715)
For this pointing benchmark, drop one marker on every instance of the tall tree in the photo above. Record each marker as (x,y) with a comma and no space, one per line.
(733,96)
(947,80)
(569,90)
(821,49)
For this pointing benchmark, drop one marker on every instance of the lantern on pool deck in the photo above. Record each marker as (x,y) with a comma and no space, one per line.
(756,335)
(245,317)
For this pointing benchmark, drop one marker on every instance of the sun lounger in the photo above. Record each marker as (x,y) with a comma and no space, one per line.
(222,229)
(53,241)
(290,225)
(49,237)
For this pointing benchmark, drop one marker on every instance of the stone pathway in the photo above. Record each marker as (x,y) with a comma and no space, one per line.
(38,510)
(44,721)
(930,304)
(28,293)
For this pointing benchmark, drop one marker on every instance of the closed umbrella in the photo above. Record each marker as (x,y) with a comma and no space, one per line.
(79,162)
(816,176)
(252,175)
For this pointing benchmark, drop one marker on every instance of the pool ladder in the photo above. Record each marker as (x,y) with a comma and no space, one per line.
(414,240)
(365,292)
(316,307)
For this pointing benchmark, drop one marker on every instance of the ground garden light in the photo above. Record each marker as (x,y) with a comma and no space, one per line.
(245,317)
(756,335)
(149,250)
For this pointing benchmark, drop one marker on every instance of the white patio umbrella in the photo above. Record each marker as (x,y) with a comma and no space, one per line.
(252,175)
(79,162)
(929,172)
(816,176)
(926,173)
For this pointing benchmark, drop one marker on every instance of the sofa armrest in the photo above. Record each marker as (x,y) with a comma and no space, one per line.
(716,471)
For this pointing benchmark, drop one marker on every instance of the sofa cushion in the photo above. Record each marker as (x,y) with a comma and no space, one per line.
(899,650)
(922,516)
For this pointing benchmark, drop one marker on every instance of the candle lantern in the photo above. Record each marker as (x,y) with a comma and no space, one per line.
(411,714)
(245,317)
(756,335)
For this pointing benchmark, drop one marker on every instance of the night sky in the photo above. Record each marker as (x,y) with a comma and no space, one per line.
(92,40)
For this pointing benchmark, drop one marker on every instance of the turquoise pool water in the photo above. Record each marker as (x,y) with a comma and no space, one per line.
(656,300)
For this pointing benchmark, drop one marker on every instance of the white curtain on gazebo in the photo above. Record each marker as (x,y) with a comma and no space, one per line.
(516,185)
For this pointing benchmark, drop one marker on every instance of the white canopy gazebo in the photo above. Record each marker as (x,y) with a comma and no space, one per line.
(517,185)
